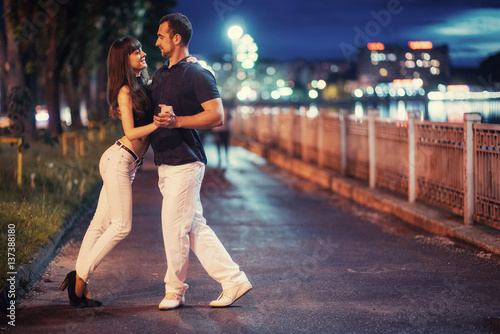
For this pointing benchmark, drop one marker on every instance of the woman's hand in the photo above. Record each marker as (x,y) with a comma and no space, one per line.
(166,118)
(191,59)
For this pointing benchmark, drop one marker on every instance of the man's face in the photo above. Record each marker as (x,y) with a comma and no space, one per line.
(164,42)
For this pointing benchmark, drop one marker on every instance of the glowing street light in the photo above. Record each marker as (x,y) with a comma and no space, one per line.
(244,52)
(244,47)
(235,32)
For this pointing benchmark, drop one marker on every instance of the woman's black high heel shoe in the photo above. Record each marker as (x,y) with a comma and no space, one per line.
(78,302)
(91,302)
(69,282)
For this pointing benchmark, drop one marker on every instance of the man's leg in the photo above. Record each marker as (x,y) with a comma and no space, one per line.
(215,258)
(177,185)
(212,255)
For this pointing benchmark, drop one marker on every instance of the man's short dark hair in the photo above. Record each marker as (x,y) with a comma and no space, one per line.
(179,24)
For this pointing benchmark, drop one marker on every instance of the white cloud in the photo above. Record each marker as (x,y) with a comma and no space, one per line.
(483,23)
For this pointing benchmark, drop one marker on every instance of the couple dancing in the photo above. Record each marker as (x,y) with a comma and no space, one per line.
(183,97)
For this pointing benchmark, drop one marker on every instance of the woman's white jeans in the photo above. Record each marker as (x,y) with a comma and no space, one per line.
(112,220)
(185,228)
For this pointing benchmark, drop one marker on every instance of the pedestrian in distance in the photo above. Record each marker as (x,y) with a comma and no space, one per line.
(186,99)
(222,136)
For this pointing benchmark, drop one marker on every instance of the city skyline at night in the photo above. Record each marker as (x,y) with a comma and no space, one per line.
(316,30)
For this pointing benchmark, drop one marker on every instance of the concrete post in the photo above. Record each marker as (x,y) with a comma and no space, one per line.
(412,177)
(303,134)
(343,141)
(321,139)
(291,119)
(469,120)
(372,114)
(257,124)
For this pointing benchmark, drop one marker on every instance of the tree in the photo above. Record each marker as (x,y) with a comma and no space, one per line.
(72,39)
(18,109)
(155,10)
(12,68)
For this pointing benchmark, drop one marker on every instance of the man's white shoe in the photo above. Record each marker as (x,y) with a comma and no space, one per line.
(229,296)
(172,300)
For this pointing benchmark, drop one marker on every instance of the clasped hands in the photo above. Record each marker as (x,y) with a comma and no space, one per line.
(166,118)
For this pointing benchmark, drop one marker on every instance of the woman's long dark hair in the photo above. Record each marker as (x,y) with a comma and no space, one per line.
(121,74)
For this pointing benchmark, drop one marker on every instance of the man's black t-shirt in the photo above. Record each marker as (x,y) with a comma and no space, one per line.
(147,116)
(184,86)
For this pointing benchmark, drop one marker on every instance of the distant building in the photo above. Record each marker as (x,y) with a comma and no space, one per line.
(378,63)
(303,72)
(272,81)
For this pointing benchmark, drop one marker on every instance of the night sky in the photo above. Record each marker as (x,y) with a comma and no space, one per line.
(330,29)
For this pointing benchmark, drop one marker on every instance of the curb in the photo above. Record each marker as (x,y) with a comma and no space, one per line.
(424,216)
(29,274)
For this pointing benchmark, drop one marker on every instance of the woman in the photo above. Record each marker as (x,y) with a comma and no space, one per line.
(112,222)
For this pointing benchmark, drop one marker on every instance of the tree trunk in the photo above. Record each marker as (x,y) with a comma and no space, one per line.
(12,66)
(3,61)
(89,97)
(52,79)
(102,83)
(74,95)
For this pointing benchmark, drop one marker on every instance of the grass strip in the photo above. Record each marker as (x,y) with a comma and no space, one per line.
(53,188)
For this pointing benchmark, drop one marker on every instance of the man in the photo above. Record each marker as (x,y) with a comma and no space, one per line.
(186,98)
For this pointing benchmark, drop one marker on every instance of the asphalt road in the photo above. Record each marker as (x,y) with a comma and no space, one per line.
(318,264)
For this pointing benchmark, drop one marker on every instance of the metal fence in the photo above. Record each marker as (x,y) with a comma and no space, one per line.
(487,174)
(391,151)
(440,167)
(452,166)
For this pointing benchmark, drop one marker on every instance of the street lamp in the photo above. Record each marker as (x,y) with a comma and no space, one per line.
(244,58)
(235,32)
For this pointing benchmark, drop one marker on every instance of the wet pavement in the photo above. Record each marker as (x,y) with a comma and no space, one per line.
(318,263)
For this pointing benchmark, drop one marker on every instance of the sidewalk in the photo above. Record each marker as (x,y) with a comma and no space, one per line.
(319,263)
(424,216)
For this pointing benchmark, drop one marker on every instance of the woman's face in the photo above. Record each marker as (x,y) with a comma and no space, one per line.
(137,60)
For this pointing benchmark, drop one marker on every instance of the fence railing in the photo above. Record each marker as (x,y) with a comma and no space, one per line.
(487,174)
(79,139)
(452,166)
(94,132)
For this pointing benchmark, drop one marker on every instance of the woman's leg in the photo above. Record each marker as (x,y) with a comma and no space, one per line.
(117,223)
(97,226)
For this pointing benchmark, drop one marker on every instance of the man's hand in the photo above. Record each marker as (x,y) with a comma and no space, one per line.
(166,118)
